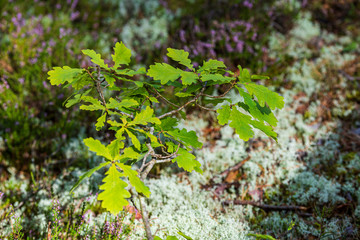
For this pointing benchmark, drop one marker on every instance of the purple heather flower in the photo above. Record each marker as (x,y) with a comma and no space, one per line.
(247,4)
(1,195)
(74,15)
(21,80)
(33,60)
(228,47)
(254,37)
(240,46)
(182,35)
(52,42)
(73,5)
(60,96)
(196,29)
(248,26)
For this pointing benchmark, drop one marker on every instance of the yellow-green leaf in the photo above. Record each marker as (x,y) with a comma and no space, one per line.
(134,179)
(96,146)
(163,72)
(263,95)
(187,161)
(121,55)
(240,122)
(95,58)
(180,56)
(114,193)
(144,117)
(60,75)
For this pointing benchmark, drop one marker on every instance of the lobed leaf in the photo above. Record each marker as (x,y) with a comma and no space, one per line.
(126,103)
(134,139)
(187,161)
(188,78)
(240,122)
(129,153)
(121,55)
(60,75)
(263,95)
(95,58)
(144,117)
(134,179)
(268,130)
(100,122)
(114,148)
(163,72)
(190,138)
(212,64)
(223,114)
(261,113)
(96,146)
(216,77)
(180,56)
(114,193)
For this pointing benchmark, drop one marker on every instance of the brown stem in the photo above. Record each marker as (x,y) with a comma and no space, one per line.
(145,218)
(222,95)
(183,106)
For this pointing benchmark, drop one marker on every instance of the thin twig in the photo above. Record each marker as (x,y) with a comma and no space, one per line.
(124,113)
(163,98)
(183,106)
(205,108)
(98,87)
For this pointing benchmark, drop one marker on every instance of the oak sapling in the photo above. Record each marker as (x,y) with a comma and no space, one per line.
(145,137)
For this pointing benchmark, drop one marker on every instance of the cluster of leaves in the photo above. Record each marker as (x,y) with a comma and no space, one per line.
(147,137)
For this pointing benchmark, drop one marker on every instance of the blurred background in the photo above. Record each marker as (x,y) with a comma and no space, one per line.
(308,47)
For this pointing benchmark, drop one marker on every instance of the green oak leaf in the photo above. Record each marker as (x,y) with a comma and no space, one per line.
(96,146)
(114,194)
(261,113)
(134,139)
(164,72)
(187,161)
(60,75)
(126,103)
(189,78)
(121,55)
(211,64)
(216,77)
(73,101)
(110,80)
(240,122)
(114,148)
(180,56)
(223,114)
(183,135)
(144,117)
(96,104)
(100,122)
(168,123)
(129,153)
(268,130)
(95,58)
(88,174)
(263,95)
(134,179)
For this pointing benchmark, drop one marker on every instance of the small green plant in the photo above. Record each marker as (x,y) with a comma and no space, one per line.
(144,129)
